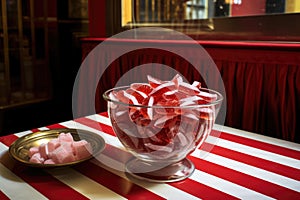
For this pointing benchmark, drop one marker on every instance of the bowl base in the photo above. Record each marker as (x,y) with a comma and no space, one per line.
(160,172)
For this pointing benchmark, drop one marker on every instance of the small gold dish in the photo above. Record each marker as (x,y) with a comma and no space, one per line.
(20,148)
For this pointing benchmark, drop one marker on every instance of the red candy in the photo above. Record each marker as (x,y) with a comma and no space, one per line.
(161,119)
(154,82)
(141,87)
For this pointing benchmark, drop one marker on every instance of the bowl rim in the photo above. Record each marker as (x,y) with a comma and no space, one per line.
(216,102)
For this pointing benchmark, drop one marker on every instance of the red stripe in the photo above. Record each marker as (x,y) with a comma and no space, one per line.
(8,140)
(47,185)
(256,162)
(104,114)
(259,145)
(96,125)
(253,183)
(35,130)
(3,196)
(115,183)
(55,126)
(200,190)
(117,154)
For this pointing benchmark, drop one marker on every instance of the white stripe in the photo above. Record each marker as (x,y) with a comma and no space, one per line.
(3,149)
(164,190)
(15,188)
(43,129)
(250,170)
(12,185)
(23,133)
(101,119)
(258,137)
(291,162)
(83,184)
(226,186)
(20,134)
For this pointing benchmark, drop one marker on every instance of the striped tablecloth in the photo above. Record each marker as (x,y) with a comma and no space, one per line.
(241,165)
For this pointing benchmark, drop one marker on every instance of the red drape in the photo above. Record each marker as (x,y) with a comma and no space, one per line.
(263,97)
(263,87)
(262,84)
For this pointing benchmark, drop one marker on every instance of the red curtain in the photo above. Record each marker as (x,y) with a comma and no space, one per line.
(262,85)
(262,97)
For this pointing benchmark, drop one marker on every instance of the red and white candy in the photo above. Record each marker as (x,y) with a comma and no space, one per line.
(163,116)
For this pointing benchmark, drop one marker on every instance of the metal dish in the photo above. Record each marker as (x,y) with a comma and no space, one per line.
(20,148)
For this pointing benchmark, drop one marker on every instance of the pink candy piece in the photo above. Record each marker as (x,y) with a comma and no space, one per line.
(82,149)
(63,154)
(32,151)
(49,161)
(43,150)
(65,137)
(37,158)
(53,144)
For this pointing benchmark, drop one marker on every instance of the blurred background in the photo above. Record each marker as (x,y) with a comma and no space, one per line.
(40,42)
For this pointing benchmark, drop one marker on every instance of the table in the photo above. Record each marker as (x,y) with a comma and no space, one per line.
(241,165)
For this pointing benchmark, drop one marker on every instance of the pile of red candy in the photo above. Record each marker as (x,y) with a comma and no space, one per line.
(162,117)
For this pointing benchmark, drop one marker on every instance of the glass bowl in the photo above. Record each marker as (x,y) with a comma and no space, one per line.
(161,137)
